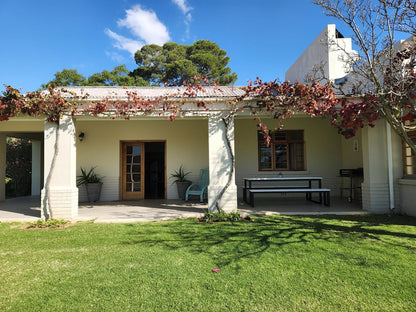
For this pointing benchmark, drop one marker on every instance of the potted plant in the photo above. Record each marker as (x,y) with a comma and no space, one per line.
(181,182)
(92,182)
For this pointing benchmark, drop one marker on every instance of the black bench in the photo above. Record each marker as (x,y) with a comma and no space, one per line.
(323,193)
(246,189)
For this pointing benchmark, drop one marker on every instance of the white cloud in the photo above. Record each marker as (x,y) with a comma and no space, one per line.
(144,26)
(118,58)
(184,7)
(124,43)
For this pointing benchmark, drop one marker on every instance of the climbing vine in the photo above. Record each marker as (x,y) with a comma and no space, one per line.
(279,100)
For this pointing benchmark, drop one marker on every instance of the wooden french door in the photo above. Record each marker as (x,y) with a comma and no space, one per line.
(132,170)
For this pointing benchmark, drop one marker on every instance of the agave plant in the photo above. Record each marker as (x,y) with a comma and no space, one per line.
(88,177)
(179,175)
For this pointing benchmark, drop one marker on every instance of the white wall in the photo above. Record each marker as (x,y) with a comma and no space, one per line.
(352,151)
(186,144)
(22,125)
(407,196)
(323,150)
(327,52)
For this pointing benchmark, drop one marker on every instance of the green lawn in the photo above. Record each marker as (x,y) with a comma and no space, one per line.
(322,263)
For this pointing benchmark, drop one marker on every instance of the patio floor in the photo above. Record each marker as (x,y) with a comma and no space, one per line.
(27,209)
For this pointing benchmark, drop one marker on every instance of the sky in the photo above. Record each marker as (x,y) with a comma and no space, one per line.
(263,38)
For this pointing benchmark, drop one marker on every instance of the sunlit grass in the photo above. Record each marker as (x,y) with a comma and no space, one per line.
(325,263)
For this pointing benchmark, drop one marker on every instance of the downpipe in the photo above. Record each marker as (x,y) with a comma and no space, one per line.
(390,168)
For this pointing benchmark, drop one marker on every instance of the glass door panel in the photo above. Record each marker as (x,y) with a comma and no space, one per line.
(132,170)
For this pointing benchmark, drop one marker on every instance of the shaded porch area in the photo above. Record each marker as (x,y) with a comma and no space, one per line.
(27,209)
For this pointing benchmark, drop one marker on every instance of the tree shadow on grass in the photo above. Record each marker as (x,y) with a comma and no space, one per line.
(227,243)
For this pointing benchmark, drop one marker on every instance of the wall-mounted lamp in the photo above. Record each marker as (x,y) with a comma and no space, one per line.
(81,136)
(261,104)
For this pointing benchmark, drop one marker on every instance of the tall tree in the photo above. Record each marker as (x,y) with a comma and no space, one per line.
(66,77)
(174,64)
(383,71)
(119,76)
(211,62)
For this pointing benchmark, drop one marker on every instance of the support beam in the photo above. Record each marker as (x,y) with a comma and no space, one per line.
(62,194)
(3,148)
(221,165)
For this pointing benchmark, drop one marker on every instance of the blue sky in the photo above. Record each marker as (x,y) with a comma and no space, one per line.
(40,37)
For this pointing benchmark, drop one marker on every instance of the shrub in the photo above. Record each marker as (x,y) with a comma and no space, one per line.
(50,224)
(222,216)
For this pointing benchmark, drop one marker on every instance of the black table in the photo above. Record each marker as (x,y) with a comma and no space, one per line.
(259,183)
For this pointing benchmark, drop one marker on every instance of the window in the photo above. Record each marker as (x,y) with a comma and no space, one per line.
(409,157)
(285,152)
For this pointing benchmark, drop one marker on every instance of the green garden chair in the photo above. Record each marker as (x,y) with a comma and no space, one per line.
(200,189)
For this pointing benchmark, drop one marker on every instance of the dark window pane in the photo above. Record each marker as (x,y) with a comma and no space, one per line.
(265,157)
(129,149)
(299,156)
(281,156)
(136,159)
(291,157)
(136,149)
(409,159)
(133,187)
(136,178)
(133,177)
(284,153)
(296,135)
(280,136)
(133,168)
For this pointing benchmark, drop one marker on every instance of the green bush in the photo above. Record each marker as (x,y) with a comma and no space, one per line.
(222,216)
(51,224)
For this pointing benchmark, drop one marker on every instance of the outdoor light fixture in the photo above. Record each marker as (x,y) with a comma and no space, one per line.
(261,104)
(81,136)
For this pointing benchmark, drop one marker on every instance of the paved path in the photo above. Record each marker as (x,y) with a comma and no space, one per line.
(27,209)
(143,210)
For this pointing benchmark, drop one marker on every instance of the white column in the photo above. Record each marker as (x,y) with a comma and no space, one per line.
(3,148)
(36,165)
(62,191)
(220,165)
(375,187)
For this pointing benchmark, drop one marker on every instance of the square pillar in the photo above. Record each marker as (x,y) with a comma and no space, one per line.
(221,165)
(3,149)
(375,187)
(60,173)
